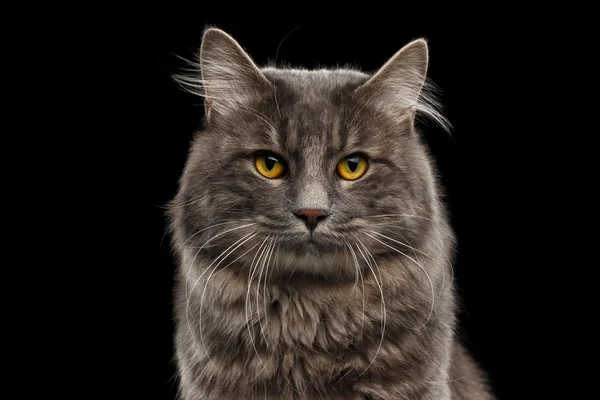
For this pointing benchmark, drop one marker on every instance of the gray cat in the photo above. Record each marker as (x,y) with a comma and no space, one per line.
(314,251)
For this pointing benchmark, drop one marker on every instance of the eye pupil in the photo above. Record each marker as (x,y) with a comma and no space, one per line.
(352,167)
(352,163)
(270,162)
(269,165)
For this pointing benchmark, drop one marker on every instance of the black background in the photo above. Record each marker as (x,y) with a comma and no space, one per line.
(479,65)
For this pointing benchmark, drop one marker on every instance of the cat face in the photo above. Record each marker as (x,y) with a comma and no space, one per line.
(304,165)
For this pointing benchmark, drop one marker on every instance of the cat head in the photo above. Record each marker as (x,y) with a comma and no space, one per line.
(310,167)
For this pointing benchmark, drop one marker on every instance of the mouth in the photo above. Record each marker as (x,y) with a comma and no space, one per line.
(311,243)
(311,255)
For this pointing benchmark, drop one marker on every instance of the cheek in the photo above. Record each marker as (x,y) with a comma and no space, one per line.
(384,190)
(368,190)
(216,187)
(252,192)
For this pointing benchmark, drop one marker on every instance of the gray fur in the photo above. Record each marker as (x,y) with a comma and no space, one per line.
(267,310)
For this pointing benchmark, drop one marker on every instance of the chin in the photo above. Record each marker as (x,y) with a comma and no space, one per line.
(316,256)
(317,244)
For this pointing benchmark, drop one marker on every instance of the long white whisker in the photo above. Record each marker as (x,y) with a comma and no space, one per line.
(383,309)
(276,262)
(222,257)
(262,270)
(187,274)
(442,267)
(359,272)
(187,202)
(433,242)
(233,262)
(398,215)
(275,65)
(248,306)
(423,269)
(266,316)
(242,255)
(219,234)
(357,268)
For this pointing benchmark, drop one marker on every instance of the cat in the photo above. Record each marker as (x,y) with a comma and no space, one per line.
(314,250)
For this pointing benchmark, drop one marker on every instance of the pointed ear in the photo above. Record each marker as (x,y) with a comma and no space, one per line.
(229,76)
(398,84)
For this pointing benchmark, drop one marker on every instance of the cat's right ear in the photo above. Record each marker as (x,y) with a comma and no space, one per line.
(230,78)
(400,85)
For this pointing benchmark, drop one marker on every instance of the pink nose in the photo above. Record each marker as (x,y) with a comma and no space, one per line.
(311,217)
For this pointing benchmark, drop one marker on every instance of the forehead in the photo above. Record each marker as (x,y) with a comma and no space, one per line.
(315,82)
(301,90)
(313,107)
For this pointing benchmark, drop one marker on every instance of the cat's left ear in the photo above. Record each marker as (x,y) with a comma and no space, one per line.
(398,83)
(230,78)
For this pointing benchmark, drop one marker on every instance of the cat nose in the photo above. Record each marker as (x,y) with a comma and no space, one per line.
(311,217)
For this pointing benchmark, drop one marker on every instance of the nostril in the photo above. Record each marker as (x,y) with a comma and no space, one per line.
(311,217)
(301,216)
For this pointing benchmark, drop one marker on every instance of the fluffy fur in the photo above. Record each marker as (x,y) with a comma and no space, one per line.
(360,308)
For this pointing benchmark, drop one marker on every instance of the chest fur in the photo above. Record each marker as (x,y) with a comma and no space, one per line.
(297,339)
(317,338)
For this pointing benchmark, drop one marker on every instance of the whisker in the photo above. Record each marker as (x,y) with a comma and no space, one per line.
(383,308)
(222,257)
(248,306)
(362,322)
(398,215)
(423,269)
(276,262)
(187,274)
(222,233)
(233,262)
(262,270)
(265,285)
(243,254)
(431,240)
(355,263)
(425,254)
(265,308)
(275,65)
(187,203)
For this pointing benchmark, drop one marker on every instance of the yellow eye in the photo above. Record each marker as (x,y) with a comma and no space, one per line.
(269,165)
(352,167)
